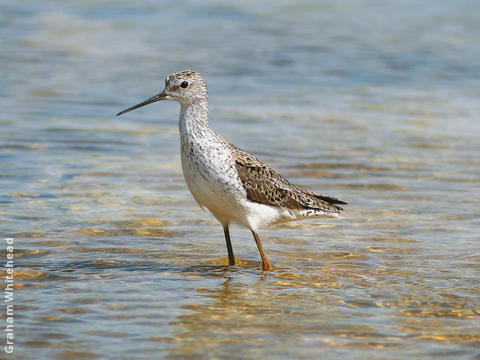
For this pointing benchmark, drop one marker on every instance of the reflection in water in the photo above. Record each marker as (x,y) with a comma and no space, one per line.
(313,307)
(237,314)
(316,301)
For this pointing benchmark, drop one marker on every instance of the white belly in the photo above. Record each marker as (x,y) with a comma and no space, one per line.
(214,183)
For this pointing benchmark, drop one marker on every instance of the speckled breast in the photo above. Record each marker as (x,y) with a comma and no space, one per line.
(211,175)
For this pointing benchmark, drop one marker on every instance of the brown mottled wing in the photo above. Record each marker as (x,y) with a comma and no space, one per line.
(264,185)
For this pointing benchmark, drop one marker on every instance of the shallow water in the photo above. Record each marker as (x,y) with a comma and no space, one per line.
(373,102)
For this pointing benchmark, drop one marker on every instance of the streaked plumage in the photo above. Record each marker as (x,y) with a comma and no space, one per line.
(266,186)
(232,184)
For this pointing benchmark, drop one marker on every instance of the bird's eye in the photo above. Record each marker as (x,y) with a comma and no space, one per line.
(184,84)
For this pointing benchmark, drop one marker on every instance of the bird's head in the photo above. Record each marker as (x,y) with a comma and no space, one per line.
(187,87)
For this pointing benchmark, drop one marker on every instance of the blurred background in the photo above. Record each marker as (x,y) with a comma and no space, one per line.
(374,102)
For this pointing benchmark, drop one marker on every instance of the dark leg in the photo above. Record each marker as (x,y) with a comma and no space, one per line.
(231,258)
(265,263)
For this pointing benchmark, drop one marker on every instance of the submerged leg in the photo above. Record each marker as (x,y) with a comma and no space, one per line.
(231,258)
(265,263)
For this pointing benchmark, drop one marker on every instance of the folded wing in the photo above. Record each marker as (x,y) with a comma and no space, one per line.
(266,186)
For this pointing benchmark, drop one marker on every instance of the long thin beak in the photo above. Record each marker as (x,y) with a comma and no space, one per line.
(158,97)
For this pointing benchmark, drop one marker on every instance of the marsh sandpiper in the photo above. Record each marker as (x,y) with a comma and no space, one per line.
(232,184)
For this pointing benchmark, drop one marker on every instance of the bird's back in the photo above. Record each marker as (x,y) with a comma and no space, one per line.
(266,186)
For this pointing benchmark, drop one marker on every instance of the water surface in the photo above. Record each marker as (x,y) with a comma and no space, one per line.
(373,102)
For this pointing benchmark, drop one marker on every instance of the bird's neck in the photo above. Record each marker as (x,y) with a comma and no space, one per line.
(194,120)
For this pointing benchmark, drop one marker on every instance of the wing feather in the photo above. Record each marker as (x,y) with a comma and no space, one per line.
(266,186)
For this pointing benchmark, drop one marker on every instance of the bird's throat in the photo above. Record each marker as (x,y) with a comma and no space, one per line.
(193,120)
